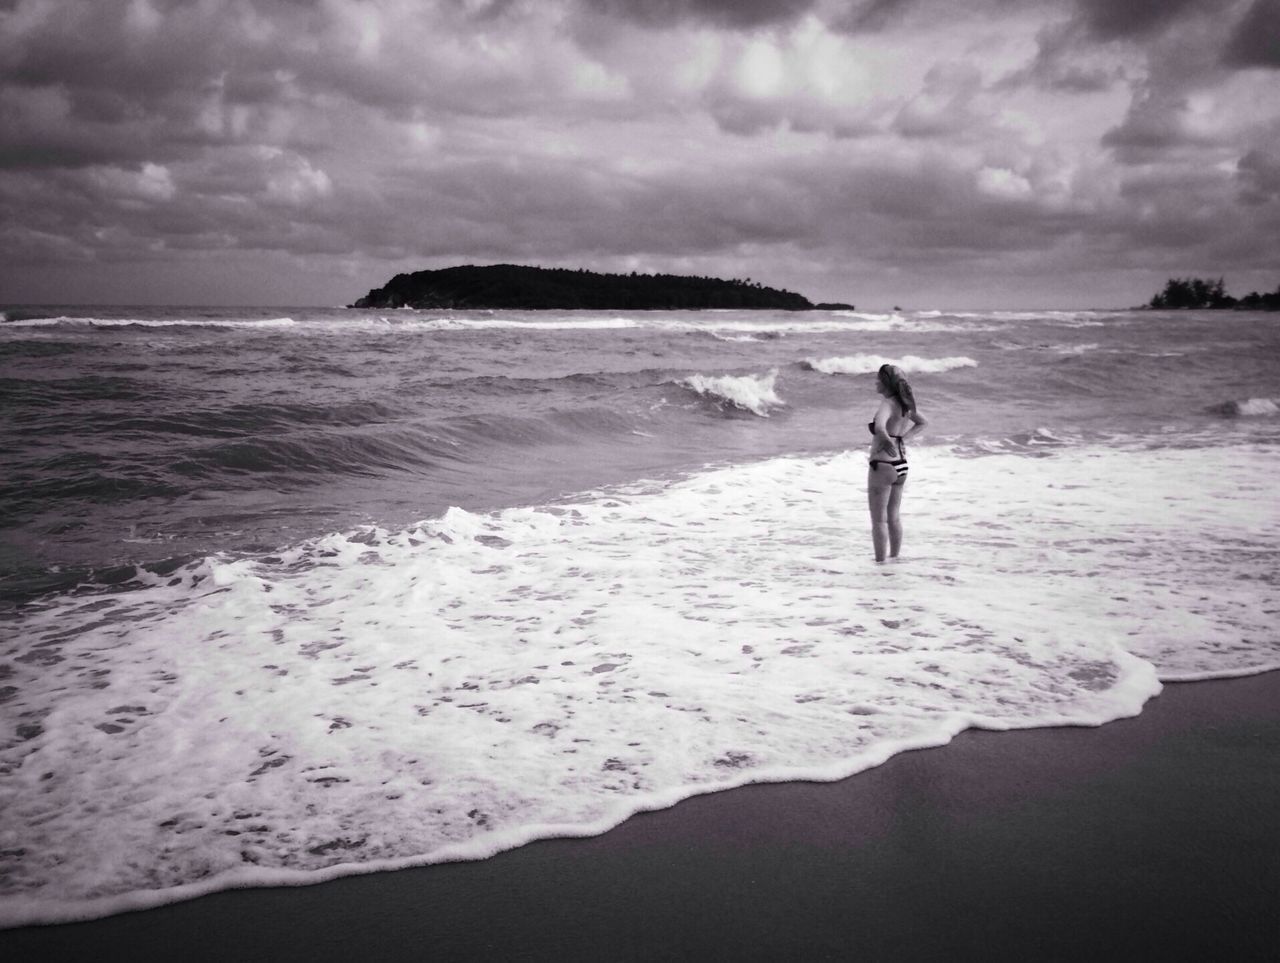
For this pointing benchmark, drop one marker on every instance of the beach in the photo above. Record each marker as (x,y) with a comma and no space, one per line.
(536,604)
(292,599)
(1148,837)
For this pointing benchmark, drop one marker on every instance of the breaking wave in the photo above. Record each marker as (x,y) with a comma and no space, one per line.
(867,363)
(68,321)
(1248,408)
(753,393)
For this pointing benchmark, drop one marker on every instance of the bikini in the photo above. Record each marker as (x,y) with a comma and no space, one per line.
(898,464)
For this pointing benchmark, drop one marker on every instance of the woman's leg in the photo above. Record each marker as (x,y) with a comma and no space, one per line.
(879,488)
(895,521)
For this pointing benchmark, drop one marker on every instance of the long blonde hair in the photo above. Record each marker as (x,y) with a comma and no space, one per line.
(895,383)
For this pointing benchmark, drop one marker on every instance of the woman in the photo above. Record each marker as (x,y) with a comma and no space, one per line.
(896,420)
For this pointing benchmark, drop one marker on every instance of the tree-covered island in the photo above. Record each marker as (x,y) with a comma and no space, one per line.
(534,288)
(1208,293)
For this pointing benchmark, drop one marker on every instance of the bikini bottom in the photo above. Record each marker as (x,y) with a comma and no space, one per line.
(899,465)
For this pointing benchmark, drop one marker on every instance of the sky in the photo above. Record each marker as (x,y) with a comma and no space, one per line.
(922,153)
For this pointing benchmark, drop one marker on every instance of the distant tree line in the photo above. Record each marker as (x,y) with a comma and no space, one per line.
(1208,293)
(532,288)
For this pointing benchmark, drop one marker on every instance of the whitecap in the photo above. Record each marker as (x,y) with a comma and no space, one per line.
(153,322)
(754,393)
(1246,408)
(867,363)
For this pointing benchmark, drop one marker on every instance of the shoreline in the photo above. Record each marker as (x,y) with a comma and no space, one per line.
(1153,833)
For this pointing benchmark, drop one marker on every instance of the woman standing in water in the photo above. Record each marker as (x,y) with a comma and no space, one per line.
(896,420)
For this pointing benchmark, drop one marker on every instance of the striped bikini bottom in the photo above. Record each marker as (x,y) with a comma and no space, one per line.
(899,465)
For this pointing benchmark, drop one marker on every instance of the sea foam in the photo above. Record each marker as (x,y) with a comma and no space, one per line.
(381,698)
(1247,408)
(867,363)
(70,321)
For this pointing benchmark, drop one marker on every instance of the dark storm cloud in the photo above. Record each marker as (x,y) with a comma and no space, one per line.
(154,133)
(1102,19)
(1154,124)
(729,13)
(1110,19)
(101,83)
(891,213)
(944,105)
(88,86)
(1256,42)
(555,209)
(872,15)
(1258,174)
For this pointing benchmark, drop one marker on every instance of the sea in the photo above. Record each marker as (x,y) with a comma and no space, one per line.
(294,593)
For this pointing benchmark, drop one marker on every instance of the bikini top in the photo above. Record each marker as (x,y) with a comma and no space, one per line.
(902,451)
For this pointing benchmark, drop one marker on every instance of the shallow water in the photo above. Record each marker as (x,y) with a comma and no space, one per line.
(653,581)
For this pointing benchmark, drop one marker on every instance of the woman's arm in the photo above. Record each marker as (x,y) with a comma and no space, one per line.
(919,422)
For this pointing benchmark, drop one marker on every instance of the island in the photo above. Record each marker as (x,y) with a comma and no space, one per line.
(1206,293)
(518,287)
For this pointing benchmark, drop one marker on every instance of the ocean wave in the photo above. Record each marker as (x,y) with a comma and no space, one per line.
(71,321)
(708,323)
(1071,319)
(481,324)
(1247,408)
(91,479)
(867,363)
(740,338)
(1068,319)
(753,393)
(248,419)
(33,395)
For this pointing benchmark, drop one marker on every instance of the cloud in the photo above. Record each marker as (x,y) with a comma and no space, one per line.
(151,184)
(1000,182)
(1256,41)
(737,14)
(1258,174)
(895,139)
(873,15)
(1109,19)
(945,105)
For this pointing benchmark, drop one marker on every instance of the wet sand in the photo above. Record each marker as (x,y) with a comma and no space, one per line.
(1153,837)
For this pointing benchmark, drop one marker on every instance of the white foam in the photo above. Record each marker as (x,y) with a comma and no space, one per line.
(1070,319)
(1074,349)
(153,322)
(481,324)
(1257,407)
(384,699)
(759,324)
(754,393)
(867,363)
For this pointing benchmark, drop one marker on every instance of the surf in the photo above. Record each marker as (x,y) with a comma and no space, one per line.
(377,698)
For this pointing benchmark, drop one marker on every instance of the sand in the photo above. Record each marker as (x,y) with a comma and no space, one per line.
(1153,837)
